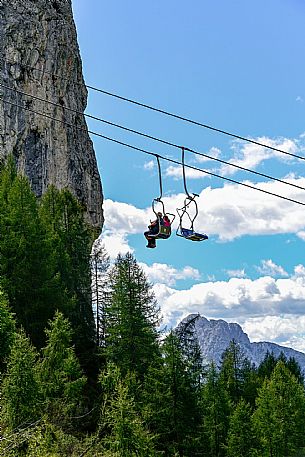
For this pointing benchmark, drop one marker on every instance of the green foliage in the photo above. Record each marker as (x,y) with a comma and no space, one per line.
(69,240)
(7,330)
(20,400)
(48,440)
(217,409)
(171,402)
(128,436)
(241,439)
(59,371)
(131,319)
(25,275)
(279,419)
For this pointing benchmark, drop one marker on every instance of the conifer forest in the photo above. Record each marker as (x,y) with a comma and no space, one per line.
(86,368)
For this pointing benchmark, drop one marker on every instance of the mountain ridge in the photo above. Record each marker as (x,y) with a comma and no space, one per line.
(215,335)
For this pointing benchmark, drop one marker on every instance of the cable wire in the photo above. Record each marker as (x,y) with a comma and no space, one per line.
(168,143)
(167,113)
(153,153)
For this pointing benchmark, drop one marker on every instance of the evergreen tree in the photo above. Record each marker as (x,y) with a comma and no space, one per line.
(20,402)
(128,436)
(24,270)
(99,266)
(70,240)
(232,371)
(187,335)
(216,409)
(7,331)
(279,419)
(59,372)
(131,318)
(241,439)
(171,402)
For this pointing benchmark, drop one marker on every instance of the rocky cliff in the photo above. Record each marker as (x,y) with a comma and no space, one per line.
(39,55)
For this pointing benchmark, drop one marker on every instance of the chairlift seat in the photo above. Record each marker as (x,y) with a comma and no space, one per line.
(189,234)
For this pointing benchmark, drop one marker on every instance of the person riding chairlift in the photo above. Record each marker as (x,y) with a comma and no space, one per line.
(154,228)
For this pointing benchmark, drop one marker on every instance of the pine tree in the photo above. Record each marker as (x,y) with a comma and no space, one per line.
(131,318)
(279,419)
(99,266)
(216,409)
(20,400)
(24,270)
(128,436)
(171,402)
(70,241)
(241,439)
(60,375)
(7,331)
(187,336)
(232,371)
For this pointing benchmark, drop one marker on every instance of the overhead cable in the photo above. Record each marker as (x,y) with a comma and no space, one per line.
(168,143)
(167,113)
(152,153)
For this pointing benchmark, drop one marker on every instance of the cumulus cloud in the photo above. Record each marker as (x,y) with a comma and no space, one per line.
(268,267)
(115,243)
(250,155)
(287,330)
(239,299)
(166,274)
(124,218)
(227,212)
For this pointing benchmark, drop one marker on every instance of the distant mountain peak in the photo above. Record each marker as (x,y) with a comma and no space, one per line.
(215,335)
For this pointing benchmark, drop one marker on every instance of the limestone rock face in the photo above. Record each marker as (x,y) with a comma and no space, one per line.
(39,55)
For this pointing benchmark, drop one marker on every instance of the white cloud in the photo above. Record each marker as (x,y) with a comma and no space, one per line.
(240,299)
(301,234)
(124,218)
(287,330)
(236,273)
(268,267)
(115,243)
(213,152)
(166,274)
(176,173)
(249,155)
(228,212)
(149,165)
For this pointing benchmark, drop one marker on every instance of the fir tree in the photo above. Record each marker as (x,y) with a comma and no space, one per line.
(128,436)
(131,318)
(60,375)
(7,331)
(70,240)
(216,409)
(24,270)
(20,400)
(241,439)
(232,371)
(99,266)
(171,402)
(279,418)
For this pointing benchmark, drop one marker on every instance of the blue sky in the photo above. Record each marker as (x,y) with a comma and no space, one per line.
(237,66)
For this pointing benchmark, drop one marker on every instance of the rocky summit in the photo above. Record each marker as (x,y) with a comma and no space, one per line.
(214,336)
(39,56)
